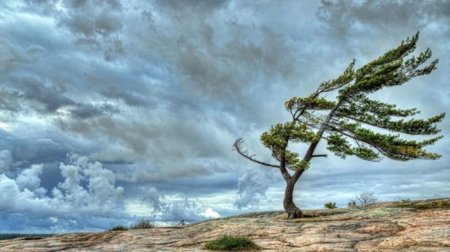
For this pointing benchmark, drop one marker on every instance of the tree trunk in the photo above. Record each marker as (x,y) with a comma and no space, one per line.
(291,209)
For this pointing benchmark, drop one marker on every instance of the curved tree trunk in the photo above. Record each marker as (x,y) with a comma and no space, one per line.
(291,209)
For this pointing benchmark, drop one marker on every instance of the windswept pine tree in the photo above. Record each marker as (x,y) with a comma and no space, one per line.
(352,124)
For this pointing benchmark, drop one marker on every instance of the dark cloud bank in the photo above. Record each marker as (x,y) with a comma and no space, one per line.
(112,110)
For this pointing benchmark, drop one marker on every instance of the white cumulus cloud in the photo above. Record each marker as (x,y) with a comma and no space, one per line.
(88,192)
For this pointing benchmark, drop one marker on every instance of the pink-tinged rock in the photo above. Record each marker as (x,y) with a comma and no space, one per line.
(407,226)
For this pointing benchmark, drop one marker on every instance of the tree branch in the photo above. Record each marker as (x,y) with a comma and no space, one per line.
(320,155)
(238,149)
(312,147)
(349,135)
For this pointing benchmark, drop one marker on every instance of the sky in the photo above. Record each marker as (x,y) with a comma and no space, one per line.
(115,110)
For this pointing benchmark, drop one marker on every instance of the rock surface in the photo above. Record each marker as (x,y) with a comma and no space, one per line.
(405,226)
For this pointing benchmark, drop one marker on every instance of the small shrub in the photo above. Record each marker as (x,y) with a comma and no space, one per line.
(404,201)
(119,228)
(365,199)
(228,242)
(142,224)
(330,205)
(351,203)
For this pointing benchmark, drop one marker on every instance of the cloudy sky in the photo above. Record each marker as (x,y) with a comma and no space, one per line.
(112,110)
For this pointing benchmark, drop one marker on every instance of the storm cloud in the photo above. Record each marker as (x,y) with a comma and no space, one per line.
(124,109)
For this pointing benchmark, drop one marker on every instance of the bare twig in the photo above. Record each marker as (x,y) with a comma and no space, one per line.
(238,149)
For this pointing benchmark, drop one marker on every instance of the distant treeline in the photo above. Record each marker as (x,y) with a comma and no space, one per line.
(25,236)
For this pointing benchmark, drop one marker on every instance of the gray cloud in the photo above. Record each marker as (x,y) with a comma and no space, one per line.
(5,160)
(8,103)
(46,99)
(84,111)
(130,98)
(252,187)
(176,209)
(345,16)
(199,6)
(10,57)
(157,91)
(96,25)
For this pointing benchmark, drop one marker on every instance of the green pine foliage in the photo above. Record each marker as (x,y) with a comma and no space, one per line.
(354,124)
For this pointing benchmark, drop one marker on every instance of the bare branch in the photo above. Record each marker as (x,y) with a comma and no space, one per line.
(319,155)
(237,147)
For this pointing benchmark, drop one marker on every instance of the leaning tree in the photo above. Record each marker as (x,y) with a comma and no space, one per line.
(352,123)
